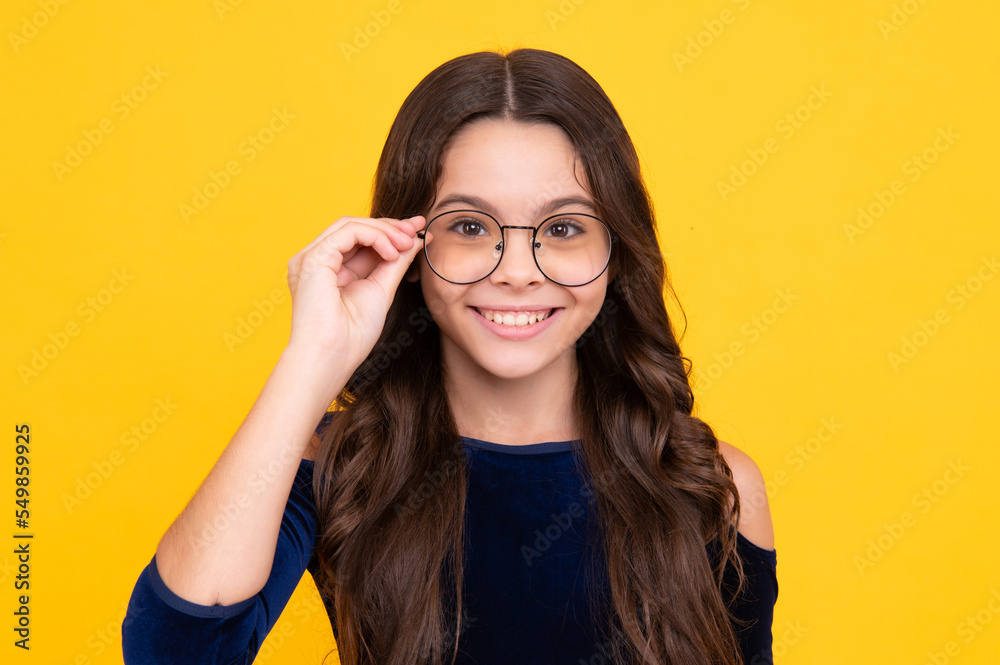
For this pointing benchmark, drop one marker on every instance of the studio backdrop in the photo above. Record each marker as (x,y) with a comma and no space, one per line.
(824,179)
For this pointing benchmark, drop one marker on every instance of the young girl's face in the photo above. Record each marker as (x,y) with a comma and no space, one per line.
(516,171)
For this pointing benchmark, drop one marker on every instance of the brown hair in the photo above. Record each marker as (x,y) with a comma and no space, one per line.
(390,474)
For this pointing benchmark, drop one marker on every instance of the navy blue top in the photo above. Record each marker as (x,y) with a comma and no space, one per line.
(528,569)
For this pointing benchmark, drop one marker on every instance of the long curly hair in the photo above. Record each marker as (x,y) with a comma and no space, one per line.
(390,476)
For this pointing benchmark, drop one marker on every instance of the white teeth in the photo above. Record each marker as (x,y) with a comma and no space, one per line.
(509,319)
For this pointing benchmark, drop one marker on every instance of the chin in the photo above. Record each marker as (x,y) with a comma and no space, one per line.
(506,372)
(513,364)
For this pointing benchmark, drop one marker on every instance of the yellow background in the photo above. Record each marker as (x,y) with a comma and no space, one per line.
(856,583)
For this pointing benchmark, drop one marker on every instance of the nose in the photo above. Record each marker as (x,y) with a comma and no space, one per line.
(517,265)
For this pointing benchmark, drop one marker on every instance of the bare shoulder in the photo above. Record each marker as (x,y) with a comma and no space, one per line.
(755,513)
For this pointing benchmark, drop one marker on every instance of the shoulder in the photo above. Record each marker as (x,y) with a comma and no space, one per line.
(755,513)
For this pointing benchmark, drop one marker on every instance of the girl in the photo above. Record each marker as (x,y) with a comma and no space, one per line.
(513,473)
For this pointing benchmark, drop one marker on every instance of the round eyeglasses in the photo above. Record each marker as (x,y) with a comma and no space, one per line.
(466,246)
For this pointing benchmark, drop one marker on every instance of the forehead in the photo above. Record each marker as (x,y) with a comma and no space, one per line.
(512,170)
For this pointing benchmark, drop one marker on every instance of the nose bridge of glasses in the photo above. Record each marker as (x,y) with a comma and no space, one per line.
(529,229)
(513,245)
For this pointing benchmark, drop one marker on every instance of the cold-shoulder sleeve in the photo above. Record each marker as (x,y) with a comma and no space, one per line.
(160,627)
(756,602)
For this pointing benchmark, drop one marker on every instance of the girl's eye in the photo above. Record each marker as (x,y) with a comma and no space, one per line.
(563,229)
(468,227)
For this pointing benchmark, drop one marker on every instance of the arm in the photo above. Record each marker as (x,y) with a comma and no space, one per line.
(222,549)
(228,564)
(236,513)
(160,627)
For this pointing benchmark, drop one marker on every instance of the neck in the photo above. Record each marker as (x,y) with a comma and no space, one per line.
(512,411)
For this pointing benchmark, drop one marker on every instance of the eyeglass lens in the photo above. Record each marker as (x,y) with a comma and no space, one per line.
(465,246)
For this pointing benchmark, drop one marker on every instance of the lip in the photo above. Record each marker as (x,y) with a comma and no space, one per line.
(516,332)
(518,308)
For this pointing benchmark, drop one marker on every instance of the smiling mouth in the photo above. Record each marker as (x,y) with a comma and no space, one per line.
(515,319)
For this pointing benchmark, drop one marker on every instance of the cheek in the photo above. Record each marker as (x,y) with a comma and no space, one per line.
(596,297)
(442,299)
(595,306)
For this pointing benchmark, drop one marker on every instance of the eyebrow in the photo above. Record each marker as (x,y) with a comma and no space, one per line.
(484,205)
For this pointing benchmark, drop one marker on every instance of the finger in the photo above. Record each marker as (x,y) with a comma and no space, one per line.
(385,223)
(404,228)
(338,247)
(415,223)
(388,274)
(360,262)
(393,227)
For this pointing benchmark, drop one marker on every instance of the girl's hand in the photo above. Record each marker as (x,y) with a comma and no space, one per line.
(343,282)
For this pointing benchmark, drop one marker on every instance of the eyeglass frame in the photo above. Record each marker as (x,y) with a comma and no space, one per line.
(503,239)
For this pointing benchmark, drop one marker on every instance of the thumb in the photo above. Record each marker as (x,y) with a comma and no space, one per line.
(388,274)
